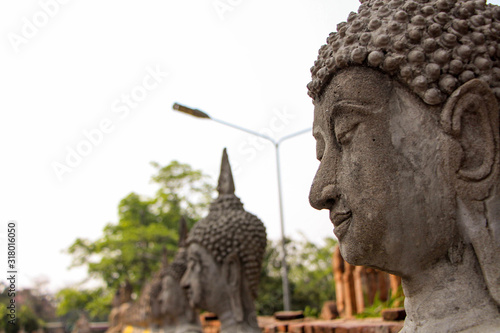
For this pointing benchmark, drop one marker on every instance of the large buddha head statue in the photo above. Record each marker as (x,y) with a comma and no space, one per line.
(406,106)
(224,255)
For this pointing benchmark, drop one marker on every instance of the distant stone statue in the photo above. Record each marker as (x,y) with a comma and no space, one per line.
(407,133)
(143,313)
(122,302)
(225,252)
(156,289)
(171,305)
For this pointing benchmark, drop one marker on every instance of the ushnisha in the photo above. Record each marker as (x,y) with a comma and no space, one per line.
(431,46)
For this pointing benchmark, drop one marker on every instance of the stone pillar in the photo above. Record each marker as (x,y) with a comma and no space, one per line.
(395,282)
(338,272)
(358,288)
(353,283)
(383,285)
(349,293)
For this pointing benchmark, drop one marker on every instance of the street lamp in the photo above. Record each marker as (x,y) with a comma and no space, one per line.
(284,268)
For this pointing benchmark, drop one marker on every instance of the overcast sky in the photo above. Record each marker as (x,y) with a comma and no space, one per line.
(87,93)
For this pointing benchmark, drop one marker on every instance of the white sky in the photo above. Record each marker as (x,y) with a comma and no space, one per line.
(244,65)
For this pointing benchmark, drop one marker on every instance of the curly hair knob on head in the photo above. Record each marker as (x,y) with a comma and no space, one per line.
(460,37)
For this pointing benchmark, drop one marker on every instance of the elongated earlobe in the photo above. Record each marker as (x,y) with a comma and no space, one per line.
(231,271)
(470,116)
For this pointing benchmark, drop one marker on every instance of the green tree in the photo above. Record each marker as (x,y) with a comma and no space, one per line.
(95,302)
(33,308)
(312,275)
(28,319)
(270,297)
(131,249)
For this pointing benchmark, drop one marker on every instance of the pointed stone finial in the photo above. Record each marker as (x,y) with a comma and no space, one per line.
(226,183)
(183,232)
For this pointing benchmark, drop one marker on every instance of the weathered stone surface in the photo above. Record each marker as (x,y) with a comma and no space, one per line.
(225,252)
(173,309)
(406,124)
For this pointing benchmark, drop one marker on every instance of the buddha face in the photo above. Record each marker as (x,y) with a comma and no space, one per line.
(203,280)
(382,172)
(172,297)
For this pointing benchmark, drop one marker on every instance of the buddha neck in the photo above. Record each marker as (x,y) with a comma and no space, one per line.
(230,323)
(449,298)
(185,321)
(188,321)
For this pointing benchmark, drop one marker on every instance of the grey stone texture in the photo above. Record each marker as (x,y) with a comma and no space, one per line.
(407,134)
(225,252)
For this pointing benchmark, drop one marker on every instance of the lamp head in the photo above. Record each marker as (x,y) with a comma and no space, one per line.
(193,112)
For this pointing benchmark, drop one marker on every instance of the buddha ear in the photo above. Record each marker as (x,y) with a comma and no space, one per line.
(470,116)
(231,270)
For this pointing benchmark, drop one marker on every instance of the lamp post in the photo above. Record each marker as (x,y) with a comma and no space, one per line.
(276,143)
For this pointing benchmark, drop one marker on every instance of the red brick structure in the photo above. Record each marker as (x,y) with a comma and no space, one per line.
(356,286)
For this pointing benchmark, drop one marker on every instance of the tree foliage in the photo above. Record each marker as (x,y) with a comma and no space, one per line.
(33,308)
(29,320)
(95,302)
(310,276)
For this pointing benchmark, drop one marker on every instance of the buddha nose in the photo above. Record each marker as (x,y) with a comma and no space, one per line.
(185,281)
(323,190)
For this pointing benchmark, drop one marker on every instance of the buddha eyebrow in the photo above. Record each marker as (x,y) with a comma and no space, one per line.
(351,103)
(345,106)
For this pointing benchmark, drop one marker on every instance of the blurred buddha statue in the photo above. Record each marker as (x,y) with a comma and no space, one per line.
(224,255)
(172,307)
